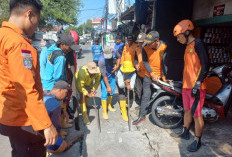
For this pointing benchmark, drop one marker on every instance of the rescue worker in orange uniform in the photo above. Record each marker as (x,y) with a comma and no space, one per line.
(152,58)
(194,86)
(23,116)
(140,68)
(128,56)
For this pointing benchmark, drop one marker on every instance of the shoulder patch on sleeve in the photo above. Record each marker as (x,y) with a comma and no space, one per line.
(27,58)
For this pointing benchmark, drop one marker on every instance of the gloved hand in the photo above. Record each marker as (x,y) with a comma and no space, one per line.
(196,89)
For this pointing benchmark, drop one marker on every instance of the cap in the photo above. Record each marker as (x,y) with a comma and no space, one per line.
(67,39)
(141,37)
(92,68)
(62,85)
(152,36)
(129,37)
(127,67)
(108,52)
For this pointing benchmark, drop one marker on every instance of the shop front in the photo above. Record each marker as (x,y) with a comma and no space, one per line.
(213,21)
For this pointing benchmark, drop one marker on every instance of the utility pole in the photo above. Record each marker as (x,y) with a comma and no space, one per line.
(106,16)
(128,4)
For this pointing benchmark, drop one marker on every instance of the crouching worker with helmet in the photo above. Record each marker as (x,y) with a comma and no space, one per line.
(108,82)
(88,79)
(51,100)
(194,86)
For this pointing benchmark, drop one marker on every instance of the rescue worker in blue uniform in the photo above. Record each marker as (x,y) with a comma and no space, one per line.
(109,62)
(119,45)
(96,50)
(56,61)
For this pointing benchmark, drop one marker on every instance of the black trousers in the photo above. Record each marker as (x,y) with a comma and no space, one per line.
(25,142)
(74,90)
(123,93)
(146,95)
(138,89)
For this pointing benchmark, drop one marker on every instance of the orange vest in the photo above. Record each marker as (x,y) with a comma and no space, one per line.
(192,67)
(128,53)
(143,70)
(155,58)
(21,93)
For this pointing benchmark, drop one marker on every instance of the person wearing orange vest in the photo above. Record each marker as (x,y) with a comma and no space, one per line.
(152,58)
(126,75)
(23,116)
(195,70)
(140,68)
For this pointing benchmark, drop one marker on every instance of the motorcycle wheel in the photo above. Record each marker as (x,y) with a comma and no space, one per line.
(164,121)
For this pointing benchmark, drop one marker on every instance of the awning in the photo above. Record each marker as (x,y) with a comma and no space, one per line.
(128,14)
(214,20)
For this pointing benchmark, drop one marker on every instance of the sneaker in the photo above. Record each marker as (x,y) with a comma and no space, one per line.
(194,146)
(139,120)
(184,135)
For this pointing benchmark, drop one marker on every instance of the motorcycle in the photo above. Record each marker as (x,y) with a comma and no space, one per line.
(167,108)
(79,52)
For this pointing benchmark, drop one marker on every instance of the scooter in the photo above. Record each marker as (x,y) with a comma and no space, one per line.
(79,53)
(167,108)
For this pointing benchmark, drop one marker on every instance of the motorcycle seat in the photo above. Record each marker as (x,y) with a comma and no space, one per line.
(208,96)
(177,84)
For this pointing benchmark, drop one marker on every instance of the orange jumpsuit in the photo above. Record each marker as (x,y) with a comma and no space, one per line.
(21,93)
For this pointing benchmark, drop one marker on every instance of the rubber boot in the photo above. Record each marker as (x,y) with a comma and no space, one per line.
(109,100)
(123,110)
(84,114)
(87,102)
(104,109)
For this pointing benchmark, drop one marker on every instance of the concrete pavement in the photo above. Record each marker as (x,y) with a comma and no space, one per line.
(115,139)
(145,140)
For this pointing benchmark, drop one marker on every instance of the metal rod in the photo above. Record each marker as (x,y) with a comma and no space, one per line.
(97,115)
(129,120)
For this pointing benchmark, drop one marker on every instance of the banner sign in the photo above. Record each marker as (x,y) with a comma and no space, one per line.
(219,10)
(96,20)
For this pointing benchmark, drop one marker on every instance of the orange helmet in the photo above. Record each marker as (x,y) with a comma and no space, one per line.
(182,27)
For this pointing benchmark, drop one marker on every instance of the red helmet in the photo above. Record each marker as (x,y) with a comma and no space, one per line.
(182,27)
(75,36)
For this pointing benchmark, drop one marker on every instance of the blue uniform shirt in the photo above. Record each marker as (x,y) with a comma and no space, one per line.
(119,47)
(54,71)
(96,50)
(106,65)
(43,61)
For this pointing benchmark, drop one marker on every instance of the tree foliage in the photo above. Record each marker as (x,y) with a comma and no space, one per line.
(55,12)
(86,27)
(4,10)
(60,12)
